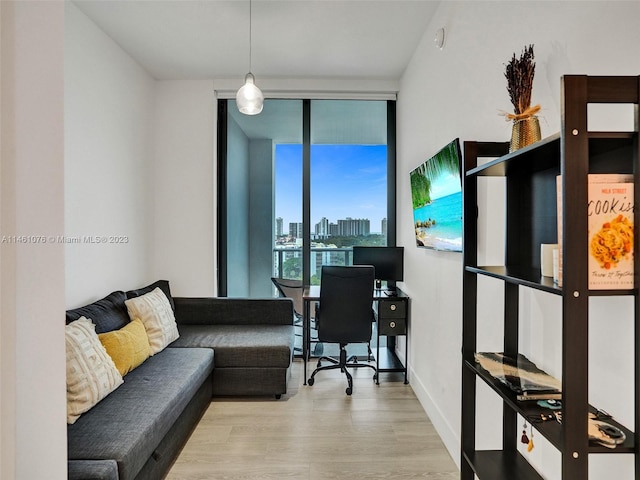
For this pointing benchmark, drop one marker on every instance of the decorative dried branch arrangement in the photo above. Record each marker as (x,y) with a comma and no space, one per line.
(519,73)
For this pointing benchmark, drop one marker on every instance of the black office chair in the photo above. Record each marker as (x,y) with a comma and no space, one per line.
(291,288)
(345,315)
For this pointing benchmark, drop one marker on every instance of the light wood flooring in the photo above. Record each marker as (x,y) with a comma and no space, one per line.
(318,433)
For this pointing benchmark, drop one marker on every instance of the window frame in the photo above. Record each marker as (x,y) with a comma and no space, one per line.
(221,249)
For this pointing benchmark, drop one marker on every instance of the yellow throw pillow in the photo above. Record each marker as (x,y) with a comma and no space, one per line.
(128,347)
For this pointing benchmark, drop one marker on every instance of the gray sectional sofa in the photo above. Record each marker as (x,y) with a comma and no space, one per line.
(226,347)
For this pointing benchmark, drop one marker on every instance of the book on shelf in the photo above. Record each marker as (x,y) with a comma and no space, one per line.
(520,375)
(539,396)
(610,231)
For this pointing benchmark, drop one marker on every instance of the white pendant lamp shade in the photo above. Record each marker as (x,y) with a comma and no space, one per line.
(249,97)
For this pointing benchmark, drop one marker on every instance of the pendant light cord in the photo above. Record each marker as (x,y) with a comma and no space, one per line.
(249,35)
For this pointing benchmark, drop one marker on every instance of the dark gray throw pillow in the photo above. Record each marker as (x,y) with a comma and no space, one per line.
(108,314)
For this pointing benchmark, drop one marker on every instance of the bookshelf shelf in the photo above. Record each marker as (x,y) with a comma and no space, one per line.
(550,429)
(528,277)
(500,465)
(531,218)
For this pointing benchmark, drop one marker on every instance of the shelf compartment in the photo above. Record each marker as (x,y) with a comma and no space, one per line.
(611,152)
(539,156)
(549,429)
(544,155)
(388,361)
(528,277)
(501,465)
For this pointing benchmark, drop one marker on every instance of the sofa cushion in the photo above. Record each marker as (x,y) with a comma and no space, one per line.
(129,424)
(107,314)
(234,311)
(92,470)
(91,373)
(128,347)
(154,310)
(161,284)
(241,345)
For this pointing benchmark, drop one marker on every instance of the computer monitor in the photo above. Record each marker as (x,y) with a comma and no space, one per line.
(388,262)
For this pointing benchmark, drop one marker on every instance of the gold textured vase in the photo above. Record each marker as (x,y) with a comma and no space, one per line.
(525,131)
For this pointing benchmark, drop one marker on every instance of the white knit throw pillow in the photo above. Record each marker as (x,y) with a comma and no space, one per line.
(91,373)
(155,311)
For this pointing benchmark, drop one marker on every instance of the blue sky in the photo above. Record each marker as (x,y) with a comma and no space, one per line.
(444,185)
(346,181)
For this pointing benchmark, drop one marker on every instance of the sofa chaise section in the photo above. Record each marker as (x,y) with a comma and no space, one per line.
(252,339)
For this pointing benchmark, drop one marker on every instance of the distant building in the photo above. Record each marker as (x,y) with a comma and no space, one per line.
(322,228)
(295,229)
(383,227)
(350,227)
(279,227)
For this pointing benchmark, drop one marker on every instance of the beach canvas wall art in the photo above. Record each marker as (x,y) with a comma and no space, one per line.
(436,194)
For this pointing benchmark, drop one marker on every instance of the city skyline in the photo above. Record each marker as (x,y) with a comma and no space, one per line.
(325,223)
(346,181)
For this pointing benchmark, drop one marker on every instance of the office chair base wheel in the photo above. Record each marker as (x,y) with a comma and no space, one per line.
(349,390)
(310,381)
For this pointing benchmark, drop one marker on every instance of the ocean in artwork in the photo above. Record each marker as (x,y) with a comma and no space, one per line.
(440,223)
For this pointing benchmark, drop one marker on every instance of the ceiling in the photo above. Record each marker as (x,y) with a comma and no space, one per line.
(317,39)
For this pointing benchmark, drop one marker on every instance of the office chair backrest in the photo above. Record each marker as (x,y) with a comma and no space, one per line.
(291,289)
(346,297)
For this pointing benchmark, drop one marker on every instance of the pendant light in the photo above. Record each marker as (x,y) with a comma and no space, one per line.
(249,97)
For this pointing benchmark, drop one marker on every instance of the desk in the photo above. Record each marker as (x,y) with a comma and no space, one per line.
(392,318)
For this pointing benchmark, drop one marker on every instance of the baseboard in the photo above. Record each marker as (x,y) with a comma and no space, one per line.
(449,436)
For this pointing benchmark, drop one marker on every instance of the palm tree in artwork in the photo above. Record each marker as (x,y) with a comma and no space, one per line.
(423,177)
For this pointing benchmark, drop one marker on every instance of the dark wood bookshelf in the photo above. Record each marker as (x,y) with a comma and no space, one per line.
(531,219)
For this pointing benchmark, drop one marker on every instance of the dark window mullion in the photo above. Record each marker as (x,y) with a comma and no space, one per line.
(306,192)
(222,199)
(391,173)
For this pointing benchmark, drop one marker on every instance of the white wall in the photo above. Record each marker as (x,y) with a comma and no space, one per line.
(184,187)
(109,174)
(458,92)
(32,398)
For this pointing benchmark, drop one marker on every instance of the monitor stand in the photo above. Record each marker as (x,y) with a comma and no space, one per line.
(388,290)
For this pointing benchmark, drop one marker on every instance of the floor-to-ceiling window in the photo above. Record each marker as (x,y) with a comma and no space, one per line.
(300,185)
(348,180)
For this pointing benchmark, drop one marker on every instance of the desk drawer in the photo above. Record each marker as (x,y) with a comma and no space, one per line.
(392,326)
(392,309)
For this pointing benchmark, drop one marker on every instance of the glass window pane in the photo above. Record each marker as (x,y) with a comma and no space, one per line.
(288,188)
(348,179)
(252,145)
